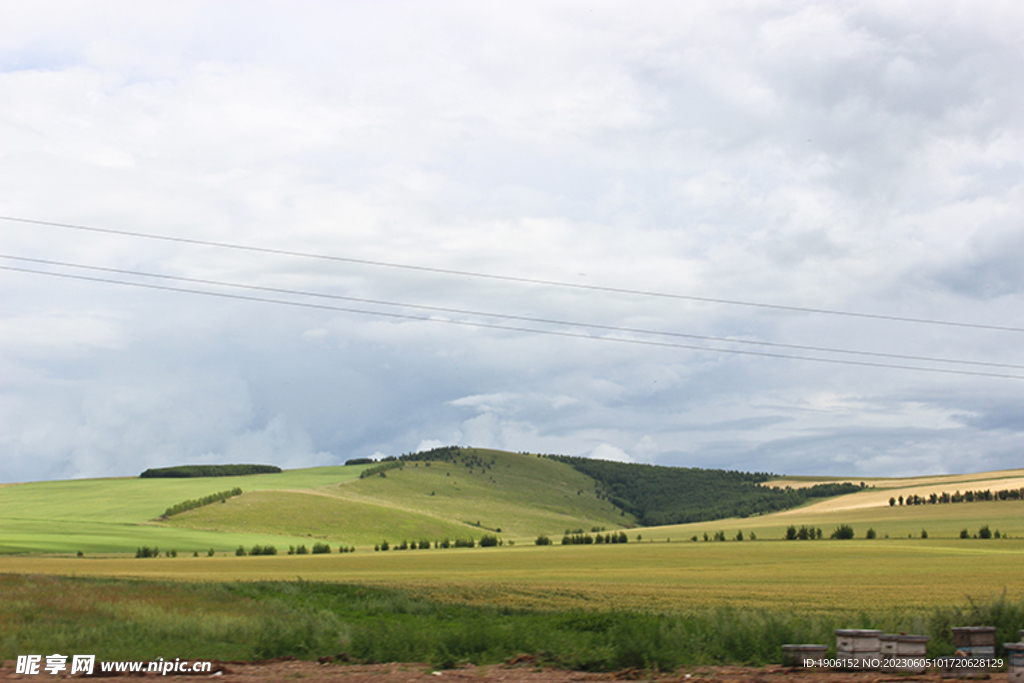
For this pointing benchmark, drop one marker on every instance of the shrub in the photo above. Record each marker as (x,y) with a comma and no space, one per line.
(210,552)
(263,550)
(240,551)
(870,533)
(301,550)
(541,540)
(843,532)
(384,545)
(924,533)
(964,533)
(488,541)
(984,532)
(321,548)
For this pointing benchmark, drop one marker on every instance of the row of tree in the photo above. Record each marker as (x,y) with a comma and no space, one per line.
(957,497)
(587,539)
(189,471)
(187,505)
(486,541)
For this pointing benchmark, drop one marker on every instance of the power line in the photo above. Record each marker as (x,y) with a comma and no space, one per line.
(510,328)
(505,316)
(511,278)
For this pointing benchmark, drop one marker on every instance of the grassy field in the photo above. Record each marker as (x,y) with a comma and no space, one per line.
(521,495)
(133,620)
(115,515)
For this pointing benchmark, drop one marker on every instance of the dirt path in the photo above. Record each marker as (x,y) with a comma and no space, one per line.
(523,671)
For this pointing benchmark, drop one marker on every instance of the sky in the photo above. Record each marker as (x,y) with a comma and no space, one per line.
(636,232)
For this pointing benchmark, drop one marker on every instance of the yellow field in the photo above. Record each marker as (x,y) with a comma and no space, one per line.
(806,576)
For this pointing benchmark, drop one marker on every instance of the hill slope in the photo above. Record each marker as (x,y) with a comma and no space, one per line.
(522,495)
(477,492)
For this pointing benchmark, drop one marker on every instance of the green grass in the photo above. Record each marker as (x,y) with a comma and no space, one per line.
(131,620)
(113,515)
(289,513)
(519,494)
(940,521)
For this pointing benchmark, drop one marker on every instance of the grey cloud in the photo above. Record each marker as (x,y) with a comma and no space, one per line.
(862,158)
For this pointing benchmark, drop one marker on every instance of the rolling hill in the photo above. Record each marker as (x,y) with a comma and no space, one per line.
(523,495)
(462,493)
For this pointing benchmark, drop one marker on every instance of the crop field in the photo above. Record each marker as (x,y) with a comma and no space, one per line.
(817,576)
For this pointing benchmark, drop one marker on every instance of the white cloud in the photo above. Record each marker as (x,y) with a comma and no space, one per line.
(609,452)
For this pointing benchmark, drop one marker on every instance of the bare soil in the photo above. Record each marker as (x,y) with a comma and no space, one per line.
(522,670)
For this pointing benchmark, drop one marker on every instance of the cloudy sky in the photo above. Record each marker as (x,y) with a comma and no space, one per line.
(536,226)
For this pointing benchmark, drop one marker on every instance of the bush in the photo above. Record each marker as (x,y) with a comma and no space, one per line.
(262,550)
(843,532)
(321,548)
(301,550)
(240,551)
(924,533)
(488,541)
(964,533)
(541,540)
(871,534)
(984,532)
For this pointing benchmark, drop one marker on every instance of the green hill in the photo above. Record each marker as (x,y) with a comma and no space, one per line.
(483,491)
(458,493)
(115,515)
(480,491)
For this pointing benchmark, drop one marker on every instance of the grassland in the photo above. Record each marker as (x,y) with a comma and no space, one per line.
(521,495)
(591,606)
(115,515)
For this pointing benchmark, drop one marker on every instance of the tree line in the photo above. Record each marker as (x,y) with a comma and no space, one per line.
(188,471)
(194,503)
(957,497)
